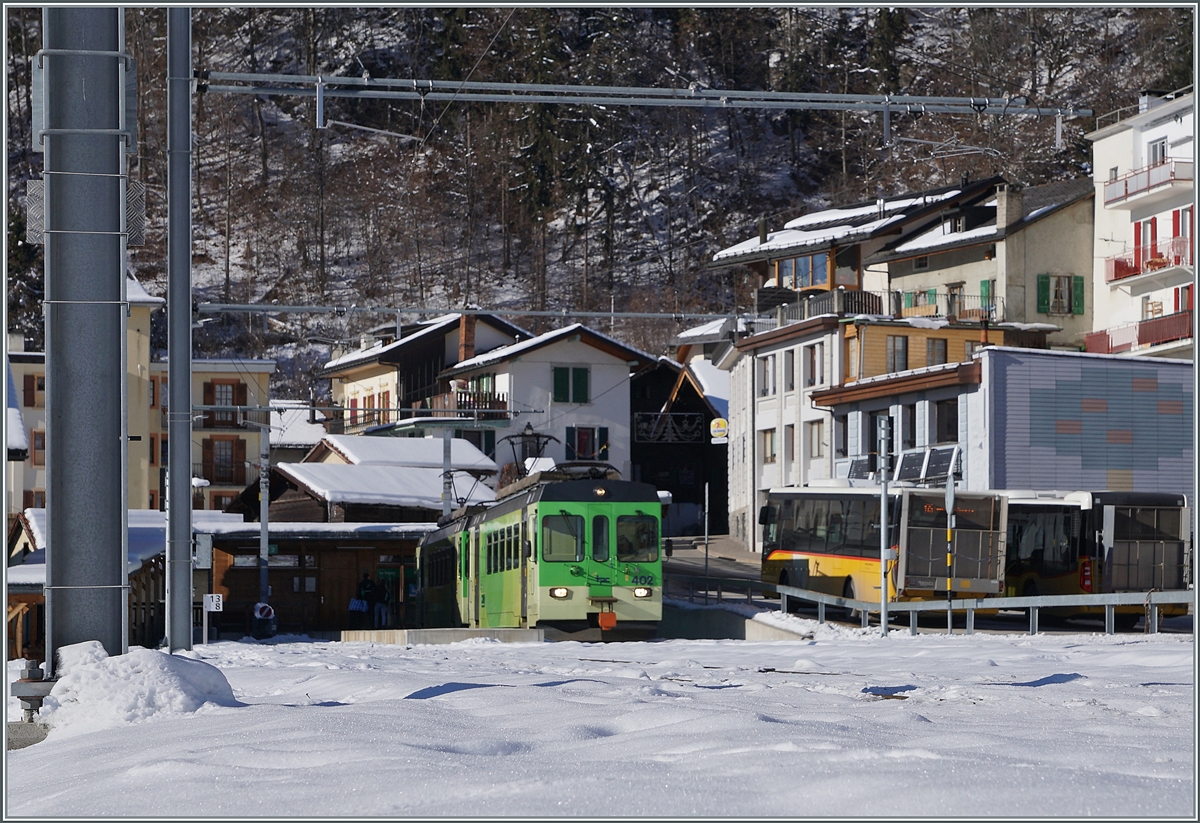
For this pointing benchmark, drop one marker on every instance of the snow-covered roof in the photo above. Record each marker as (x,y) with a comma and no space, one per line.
(14,425)
(137,295)
(303,529)
(443,322)
(382,484)
(941,235)
(147,537)
(290,426)
(709,328)
(830,225)
(715,383)
(515,349)
(425,452)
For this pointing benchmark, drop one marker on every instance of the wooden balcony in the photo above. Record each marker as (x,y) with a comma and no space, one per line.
(479,403)
(1132,336)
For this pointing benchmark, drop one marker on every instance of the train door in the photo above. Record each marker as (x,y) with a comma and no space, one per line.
(529,568)
(477,573)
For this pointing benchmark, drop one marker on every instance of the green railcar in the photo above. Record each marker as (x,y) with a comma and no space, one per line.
(571,554)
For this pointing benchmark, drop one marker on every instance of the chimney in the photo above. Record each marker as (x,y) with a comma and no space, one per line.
(466,337)
(312,405)
(16,341)
(965,180)
(762,230)
(881,205)
(1009,206)
(365,342)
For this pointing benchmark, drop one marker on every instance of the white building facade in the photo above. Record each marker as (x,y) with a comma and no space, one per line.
(1145,229)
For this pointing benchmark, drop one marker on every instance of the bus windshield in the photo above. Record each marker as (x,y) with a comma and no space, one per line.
(637,538)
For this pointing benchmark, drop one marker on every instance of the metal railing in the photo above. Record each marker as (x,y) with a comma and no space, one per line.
(917,303)
(1178,251)
(726,589)
(1145,179)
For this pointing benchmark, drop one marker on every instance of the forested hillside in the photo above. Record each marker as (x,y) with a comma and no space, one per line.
(567,207)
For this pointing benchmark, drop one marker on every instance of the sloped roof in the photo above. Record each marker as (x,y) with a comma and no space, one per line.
(381,484)
(422,452)
(290,426)
(147,537)
(1037,202)
(592,337)
(843,226)
(443,323)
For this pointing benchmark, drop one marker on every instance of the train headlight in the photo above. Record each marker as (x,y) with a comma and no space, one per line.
(641,591)
(559,592)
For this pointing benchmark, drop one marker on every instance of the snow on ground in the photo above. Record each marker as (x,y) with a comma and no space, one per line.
(838,722)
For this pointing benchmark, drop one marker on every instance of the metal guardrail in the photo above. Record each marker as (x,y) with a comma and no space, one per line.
(1150,600)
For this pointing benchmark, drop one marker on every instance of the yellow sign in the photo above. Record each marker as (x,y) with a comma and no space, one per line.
(719,427)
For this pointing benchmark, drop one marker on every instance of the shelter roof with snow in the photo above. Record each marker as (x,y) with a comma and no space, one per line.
(417,452)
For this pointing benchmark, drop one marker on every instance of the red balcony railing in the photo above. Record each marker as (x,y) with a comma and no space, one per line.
(1152,332)
(1151,177)
(1175,252)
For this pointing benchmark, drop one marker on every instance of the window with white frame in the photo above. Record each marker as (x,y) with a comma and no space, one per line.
(1060,294)
(789,370)
(921,263)
(814,364)
(766,375)
(897,353)
(935,351)
(816,438)
(768,446)
(1156,152)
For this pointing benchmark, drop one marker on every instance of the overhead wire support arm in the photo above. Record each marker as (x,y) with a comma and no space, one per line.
(477,91)
(270,308)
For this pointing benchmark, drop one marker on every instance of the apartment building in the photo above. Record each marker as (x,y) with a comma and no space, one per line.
(1144,249)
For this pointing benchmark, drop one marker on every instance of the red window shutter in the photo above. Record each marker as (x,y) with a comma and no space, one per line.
(1137,245)
(27,499)
(239,462)
(1175,223)
(1154,237)
(206,458)
(1176,299)
(210,417)
(239,394)
(30,398)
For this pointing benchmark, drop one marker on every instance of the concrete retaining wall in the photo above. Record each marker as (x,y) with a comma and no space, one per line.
(717,624)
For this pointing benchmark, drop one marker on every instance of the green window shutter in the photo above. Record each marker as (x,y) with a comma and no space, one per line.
(562,384)
(1043,294)
(602,450)
(908,299)
(985,291)
(931,296)
(579,385)
(570,444)
(1077,295)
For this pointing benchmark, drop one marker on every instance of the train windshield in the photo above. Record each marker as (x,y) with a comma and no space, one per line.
(562,538)
(637,538)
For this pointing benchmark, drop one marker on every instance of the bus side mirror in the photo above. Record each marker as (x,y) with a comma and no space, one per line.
(764,516)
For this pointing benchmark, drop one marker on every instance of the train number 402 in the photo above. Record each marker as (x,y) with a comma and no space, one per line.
(642,580)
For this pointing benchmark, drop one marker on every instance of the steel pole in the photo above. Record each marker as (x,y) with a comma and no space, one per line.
(264,505)
(85,328)
(447,477)
(179,328)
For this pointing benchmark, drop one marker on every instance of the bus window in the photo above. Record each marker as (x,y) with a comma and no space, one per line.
(637,539)
(810,526)
(562,540)
(600,538)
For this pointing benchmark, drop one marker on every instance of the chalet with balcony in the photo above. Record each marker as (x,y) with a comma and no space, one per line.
(568,387)
(1144,245)
(1010,254)
(392,379)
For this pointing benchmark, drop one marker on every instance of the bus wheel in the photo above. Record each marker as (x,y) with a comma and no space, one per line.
(851,615)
